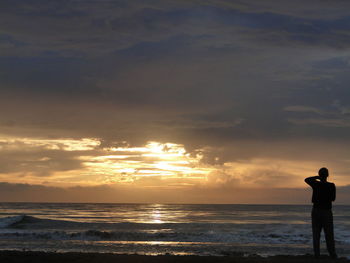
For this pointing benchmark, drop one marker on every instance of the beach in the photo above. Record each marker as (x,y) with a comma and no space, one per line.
(73,257)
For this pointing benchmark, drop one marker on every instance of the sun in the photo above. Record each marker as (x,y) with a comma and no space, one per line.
(166,161)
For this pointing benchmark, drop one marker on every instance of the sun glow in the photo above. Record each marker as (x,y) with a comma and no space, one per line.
(87,162)
(84,161)
(164,161)
(83,144)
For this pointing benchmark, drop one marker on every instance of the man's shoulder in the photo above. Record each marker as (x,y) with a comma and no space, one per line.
(329,184)
(323,184)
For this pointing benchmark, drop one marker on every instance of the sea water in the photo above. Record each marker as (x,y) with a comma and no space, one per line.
(152,229)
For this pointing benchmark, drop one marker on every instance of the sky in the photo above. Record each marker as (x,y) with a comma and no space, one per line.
(173,101)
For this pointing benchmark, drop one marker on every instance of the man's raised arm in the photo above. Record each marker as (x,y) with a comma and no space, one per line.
(312,180)
(333,193)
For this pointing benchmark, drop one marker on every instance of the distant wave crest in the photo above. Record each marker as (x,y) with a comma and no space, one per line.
(7,222)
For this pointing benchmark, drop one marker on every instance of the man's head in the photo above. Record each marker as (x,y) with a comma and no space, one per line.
(323,173)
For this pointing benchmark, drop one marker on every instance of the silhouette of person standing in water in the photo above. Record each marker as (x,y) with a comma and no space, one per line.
(322,217)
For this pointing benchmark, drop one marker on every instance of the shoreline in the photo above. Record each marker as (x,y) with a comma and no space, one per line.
(75,257)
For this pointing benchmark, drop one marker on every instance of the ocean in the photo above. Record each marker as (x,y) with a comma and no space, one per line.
(177,229)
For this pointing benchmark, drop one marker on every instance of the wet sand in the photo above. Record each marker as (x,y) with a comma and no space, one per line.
(38,257)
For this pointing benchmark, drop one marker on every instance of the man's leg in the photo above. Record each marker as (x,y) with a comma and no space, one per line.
(316,231)
(329,233)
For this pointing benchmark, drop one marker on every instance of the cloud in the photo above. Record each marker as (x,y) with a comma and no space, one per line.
(39,161)
(95,29)
(338,123)
(300,108)
(222,180)
(258,85)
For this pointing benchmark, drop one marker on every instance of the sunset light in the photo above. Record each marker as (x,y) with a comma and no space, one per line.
(218,129)
(172,101)
(168,162)
(163,160)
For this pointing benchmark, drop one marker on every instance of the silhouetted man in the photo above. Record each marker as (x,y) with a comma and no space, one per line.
(322,217)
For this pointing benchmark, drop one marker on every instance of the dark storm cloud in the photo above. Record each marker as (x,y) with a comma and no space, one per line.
(43,76)
(78,28)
